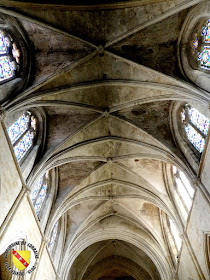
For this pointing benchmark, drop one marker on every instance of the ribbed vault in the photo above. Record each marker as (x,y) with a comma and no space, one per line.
(108,130)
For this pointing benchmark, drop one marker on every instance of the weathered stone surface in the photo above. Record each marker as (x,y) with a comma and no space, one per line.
(104,82)
(155,46)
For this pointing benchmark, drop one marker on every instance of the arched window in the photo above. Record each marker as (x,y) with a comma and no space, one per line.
(53,238)
(200,46)
(196,127)
(39,194)
(22,134)
(204,54)
(194,46)
(9,57)
(184,191)
(173,238)
(177,242)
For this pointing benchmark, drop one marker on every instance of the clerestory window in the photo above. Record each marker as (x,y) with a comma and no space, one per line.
(22,134)
(176,241)
(184,190)
(200,46)
(9,57)
(39,194)
(196,127)
(204,54)
(173,238)
(53,238)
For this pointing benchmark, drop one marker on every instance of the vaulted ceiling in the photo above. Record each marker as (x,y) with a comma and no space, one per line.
(106,77)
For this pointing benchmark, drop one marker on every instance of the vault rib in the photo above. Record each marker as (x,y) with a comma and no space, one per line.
(55,103)
(41,166)
(40,22)
(116,5)
(179,90)
(152,71)
(140,27)
(49,79)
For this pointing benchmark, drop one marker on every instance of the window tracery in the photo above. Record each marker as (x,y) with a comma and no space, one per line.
(204,55)
(22,134)
(39,193)
(194,46)
(196,127)
(200,45)
(9,57)
(184,189)
(175,234)
(173,238)
(53,238)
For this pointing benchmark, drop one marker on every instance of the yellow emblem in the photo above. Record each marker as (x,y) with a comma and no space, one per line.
(21,259)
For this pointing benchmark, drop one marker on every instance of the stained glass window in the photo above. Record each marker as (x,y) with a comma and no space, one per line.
(36,189)
(196,126)
(206,32)
(183,188)
(199,120)
(39,193)
(18,128)
(53,238)
(9,57)
(22,134)
(195,138)
(183,116)
(40,199)
(195,44)
(24,145)
(203,56)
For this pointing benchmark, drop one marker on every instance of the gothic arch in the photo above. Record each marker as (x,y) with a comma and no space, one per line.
(29,160)
(155,256)
(117,263)
(105,143)
(175,196)
(199,14)
(191,154)
(22,50)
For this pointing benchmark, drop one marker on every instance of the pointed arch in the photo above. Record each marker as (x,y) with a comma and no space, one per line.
(190,129)
(53,238)
(22,134)
(181,190)
(194,46)
(56,237)
(43,194)
(27,132)
(196,126)
(172,237)
(15,57)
